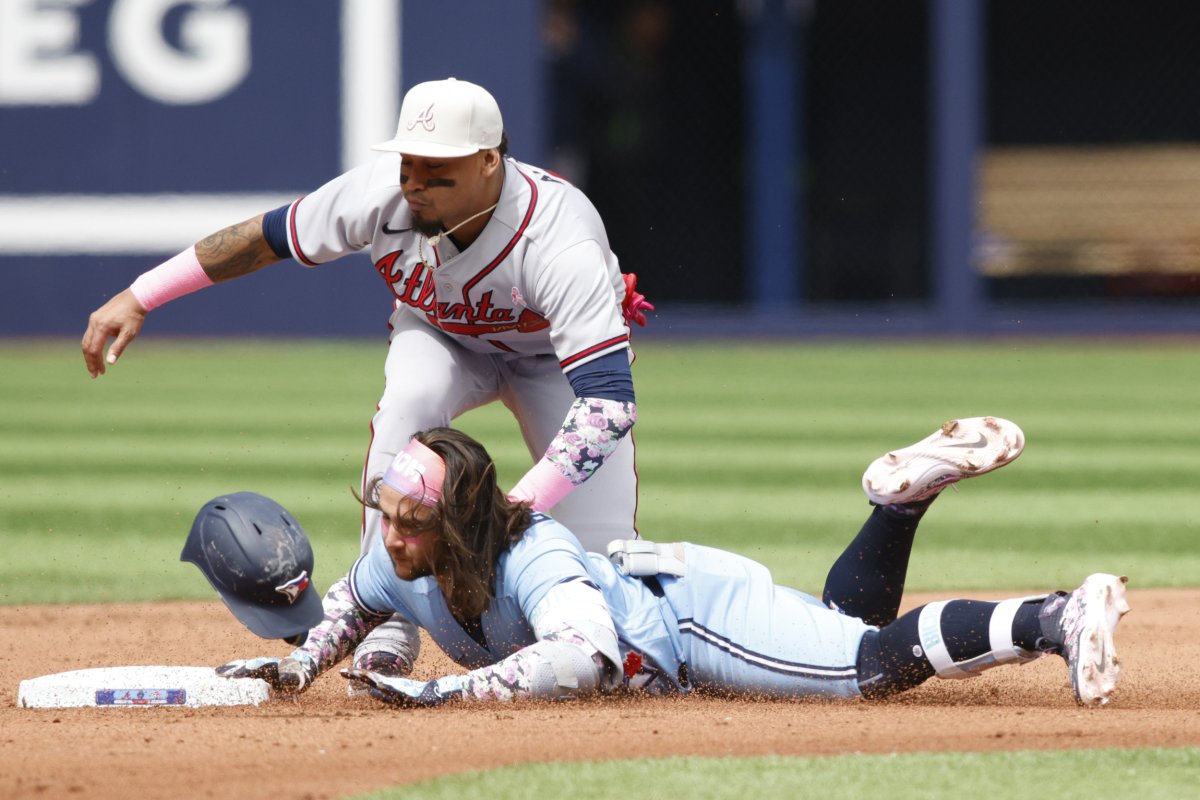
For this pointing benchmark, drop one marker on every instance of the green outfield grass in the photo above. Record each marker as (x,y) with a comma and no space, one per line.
(756,447)
(1073,775)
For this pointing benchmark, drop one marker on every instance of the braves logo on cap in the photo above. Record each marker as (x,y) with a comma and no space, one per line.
(293,588)
(424,119)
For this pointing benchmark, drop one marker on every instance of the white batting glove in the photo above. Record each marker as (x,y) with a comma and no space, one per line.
(406,692)
(285,675)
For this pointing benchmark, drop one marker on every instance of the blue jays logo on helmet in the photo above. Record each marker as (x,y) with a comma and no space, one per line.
(294,587)
(257,557)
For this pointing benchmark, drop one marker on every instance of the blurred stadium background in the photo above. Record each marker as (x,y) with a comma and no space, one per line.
(765,166)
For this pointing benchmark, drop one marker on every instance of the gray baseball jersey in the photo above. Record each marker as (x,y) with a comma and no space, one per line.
(540,279)
(536,295)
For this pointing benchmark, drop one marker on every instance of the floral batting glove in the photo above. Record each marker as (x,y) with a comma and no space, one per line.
(406,692)
(285,675)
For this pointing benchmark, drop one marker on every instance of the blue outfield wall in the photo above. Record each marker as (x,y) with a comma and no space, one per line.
(344,298)
(131,128)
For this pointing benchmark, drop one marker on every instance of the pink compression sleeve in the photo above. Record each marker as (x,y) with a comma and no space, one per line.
(543,485)
(592,430)
(179,275)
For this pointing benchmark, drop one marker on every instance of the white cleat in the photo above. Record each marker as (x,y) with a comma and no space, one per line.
(1089,619)
(961,448)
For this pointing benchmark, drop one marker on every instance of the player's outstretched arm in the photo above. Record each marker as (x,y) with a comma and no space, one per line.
(550,669)
(229,253)
(345,624)
(591,432)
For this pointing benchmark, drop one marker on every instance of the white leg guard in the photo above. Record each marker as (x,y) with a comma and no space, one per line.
(1003,649)
(1000,632)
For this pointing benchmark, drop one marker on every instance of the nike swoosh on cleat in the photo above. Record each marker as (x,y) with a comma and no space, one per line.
(980,442)
(393,231)
(1101,663)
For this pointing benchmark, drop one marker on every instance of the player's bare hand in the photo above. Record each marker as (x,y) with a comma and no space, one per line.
(285,675)
(120,319)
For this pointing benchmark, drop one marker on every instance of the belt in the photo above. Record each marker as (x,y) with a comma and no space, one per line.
(652,583)
(656,589)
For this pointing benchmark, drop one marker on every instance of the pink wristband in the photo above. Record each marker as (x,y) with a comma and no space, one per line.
(179,275)
(544,485)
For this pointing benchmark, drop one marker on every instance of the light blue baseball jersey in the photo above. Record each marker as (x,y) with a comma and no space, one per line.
(724,625)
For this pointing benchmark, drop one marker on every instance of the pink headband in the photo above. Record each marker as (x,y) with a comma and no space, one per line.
(417,472)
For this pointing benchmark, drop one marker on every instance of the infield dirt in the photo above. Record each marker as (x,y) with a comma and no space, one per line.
(326,745)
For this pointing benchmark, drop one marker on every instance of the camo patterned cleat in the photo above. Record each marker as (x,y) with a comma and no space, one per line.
(1086,621)
(961,448)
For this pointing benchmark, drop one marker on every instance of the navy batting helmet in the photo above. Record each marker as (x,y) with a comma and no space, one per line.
(257,557)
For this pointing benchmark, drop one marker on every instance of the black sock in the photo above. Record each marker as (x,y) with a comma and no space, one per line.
(867,580)
(966,626)
(891,660)
(916,509)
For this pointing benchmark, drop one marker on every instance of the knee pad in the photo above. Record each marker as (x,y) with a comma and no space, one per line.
(1002,649)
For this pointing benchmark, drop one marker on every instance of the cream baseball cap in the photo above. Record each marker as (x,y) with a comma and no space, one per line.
(446,119)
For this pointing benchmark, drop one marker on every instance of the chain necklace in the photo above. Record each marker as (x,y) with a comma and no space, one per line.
(436,238)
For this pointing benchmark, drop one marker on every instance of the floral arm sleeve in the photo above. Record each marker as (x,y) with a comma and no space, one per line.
(554,668)
(346,624)
(576,654)
(592,430)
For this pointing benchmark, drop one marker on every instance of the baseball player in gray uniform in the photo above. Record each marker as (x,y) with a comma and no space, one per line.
(512,596)
(505,288)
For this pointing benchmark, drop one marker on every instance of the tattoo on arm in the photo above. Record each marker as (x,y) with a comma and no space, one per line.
(235,251)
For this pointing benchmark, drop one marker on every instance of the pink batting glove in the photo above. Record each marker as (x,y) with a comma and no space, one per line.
(635,303)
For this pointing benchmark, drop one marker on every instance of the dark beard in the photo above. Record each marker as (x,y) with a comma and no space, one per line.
(427,228)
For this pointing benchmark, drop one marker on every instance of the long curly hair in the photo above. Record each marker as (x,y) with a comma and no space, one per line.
(474,521)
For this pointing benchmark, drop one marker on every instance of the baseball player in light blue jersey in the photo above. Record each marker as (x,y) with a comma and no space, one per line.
(504,288)
(511,596)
